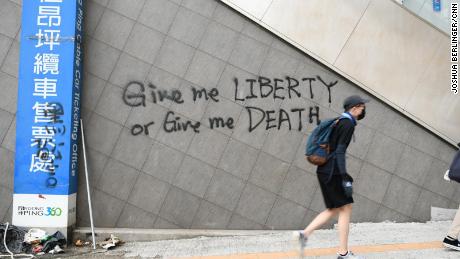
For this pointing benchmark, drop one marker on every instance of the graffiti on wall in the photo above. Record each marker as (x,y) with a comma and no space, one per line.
(135,94)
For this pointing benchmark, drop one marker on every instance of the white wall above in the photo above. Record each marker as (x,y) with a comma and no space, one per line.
(378,45)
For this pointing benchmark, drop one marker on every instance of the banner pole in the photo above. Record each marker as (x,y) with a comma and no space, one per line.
(87,185)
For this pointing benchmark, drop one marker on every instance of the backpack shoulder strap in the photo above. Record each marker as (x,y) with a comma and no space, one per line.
(347,116)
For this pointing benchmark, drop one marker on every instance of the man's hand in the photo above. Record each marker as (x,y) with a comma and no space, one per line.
(347,188)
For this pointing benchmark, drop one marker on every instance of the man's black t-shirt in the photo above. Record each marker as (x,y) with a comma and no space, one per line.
(339,140)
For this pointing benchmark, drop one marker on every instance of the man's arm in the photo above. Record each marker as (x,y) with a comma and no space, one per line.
(345,130)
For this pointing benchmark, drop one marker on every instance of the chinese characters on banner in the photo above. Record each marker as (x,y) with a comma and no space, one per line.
(46,81)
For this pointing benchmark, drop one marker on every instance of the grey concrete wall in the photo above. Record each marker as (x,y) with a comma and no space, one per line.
(227,177)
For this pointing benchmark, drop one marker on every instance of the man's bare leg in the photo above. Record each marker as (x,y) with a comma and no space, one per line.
(344,227)
(320,220)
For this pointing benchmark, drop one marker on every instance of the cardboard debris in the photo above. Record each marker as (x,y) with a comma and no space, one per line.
(111,242)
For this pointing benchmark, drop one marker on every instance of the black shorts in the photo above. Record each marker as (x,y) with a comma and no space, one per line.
(333,193)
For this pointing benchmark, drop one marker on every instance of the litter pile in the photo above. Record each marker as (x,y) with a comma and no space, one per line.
(16,240)
(107,244)
(43,243)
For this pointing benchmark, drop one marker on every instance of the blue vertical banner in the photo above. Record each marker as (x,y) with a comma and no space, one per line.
(437,5)
(48,114)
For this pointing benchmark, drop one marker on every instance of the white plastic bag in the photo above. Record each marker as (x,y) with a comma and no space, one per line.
(34,235)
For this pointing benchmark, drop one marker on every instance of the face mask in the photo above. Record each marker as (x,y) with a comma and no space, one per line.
(362,115)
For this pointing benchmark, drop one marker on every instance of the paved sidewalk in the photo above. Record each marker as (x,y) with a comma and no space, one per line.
(370,240)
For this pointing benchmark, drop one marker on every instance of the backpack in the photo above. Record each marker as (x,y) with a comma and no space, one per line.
(454,171)
(318,150)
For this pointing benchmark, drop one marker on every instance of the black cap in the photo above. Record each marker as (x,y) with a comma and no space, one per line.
(352,101)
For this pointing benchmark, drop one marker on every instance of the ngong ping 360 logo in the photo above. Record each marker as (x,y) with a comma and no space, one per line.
(39,211)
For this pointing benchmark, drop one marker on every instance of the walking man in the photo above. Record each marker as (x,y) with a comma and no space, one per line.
(332,176)
(451,240)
